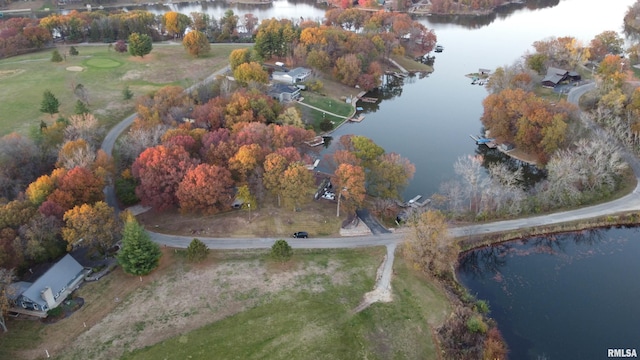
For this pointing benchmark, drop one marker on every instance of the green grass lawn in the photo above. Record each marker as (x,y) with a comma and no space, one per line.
(321,325)
(104,75)
(315,117)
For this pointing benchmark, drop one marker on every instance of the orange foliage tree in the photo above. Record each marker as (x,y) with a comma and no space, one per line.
(196,43)
(160,170)
(205,188)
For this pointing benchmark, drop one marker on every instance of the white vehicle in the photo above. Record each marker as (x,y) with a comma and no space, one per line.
(329,196)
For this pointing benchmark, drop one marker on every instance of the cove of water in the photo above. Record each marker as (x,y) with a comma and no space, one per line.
(568,296)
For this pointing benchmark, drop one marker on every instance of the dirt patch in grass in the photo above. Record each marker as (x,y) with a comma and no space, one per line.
(75,68)
(8,73)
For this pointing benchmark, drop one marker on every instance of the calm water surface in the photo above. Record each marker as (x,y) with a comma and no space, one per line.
(571,296)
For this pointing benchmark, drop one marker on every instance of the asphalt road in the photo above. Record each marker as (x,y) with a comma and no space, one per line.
(629,202)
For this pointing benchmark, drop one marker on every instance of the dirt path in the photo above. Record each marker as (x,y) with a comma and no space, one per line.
(382,290)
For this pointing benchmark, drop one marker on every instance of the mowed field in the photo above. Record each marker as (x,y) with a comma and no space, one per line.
(243,305)
(104,74)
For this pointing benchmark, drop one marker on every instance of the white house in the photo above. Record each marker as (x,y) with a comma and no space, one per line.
(50,289)
(292,76)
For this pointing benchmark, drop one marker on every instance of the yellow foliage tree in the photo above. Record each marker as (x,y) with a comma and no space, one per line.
(196,43)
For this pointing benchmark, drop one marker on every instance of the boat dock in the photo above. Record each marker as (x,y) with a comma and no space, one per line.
(369,99)
(316,141)
(357,119)
(490,143)
(414,202)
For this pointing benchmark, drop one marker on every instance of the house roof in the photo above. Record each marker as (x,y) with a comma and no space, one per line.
(554,75)
(299,71)
(283,88)
(57,277)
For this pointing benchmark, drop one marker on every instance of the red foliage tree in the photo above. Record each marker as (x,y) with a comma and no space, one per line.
(160,170)
(206,188)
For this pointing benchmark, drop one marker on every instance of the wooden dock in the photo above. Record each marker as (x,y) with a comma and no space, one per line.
(316,141)
(357,119)
(369,99)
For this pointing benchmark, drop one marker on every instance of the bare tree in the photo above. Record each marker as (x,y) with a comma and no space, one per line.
(132,144)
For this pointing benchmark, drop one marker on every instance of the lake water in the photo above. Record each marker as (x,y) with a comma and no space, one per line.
(431,119)
(570,296)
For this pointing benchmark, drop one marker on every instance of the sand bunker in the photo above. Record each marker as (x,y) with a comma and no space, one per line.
(75,68)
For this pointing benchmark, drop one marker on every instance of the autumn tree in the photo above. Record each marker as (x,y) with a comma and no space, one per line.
(140,44)
(429,247)
(298,185)
(246,160)
(38,190)
(21,162)
(139,255)
(390,175)
(238,57)
(205,188)
(75,153)
(196,43)
(291,116)
(197,250)
(349,183)
(250,72)
(96,226)
(78,186)
(39,239)
(348,69)
(607,42)
(274,168)
(160,170)
(49,104)
(176,23)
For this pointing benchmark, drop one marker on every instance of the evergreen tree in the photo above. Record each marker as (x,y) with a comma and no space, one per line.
(127,94)
(81,108)
(197,250)
(50,103)
(55,56)
(281,250)
(139,255)
(139,44)
(73,51)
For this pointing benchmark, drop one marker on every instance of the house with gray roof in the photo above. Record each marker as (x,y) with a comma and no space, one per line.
(284,93)
(50,289)
(292,76)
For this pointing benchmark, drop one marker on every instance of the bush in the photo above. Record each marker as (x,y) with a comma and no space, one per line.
(281,250)
(121,46)
(315,85)
(55,312)
(476,325)
(127,94)
(73,51)
(326,125)
(55,56)
(197,250)
(126,191)
(482,306)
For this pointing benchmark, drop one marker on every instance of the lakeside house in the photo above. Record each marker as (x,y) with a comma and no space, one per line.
(47,291)
(283,92)
(556,76)
(292,76)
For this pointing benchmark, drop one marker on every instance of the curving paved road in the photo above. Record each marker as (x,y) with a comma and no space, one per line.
(629,202)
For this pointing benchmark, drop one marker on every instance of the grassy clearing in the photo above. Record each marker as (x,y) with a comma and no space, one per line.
(105,73)
(320,324)
(412,65)
(318,218)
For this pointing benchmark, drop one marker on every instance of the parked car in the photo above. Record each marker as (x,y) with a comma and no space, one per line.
(329,196)
(301,234)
